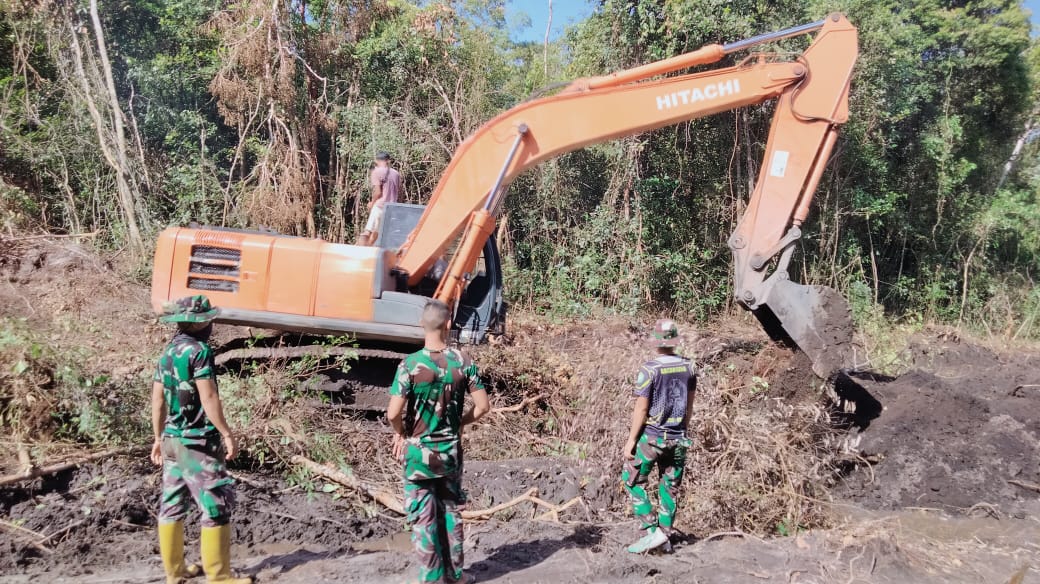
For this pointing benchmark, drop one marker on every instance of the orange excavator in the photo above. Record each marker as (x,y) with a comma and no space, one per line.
(445,250)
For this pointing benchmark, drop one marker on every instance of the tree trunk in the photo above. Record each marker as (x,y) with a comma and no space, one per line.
(1016,152)
(125,194)
(545,55)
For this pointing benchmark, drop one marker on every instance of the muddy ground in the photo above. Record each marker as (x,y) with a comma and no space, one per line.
(295,538)
(914,485)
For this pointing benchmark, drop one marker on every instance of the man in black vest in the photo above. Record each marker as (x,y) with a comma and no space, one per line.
(657,437)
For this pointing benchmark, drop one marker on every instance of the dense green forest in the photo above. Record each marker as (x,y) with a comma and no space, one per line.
(118,118)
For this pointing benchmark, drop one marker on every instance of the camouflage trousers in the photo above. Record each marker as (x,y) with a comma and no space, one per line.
(670,456)
(434,512)
(194,469)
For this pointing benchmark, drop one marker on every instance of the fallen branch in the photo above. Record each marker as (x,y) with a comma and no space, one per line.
(34,537)
(394,503)
(25,531)
(387,499)
(557,509)
(1016,393)
(730,534)
(1025,485)
(989,508)
(23,456)
(62,531)
(515,408)
(39,471)
(532,496)
(483,513)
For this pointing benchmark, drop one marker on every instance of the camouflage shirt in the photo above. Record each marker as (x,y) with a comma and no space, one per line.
(435,384)
(668,382)
(185,360)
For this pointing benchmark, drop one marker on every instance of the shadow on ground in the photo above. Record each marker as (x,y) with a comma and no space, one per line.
(514,557)
(280,563)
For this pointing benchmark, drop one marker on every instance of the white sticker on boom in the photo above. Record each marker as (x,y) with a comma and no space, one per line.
(778,167)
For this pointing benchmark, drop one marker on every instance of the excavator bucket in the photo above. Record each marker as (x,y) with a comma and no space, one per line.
(814,318)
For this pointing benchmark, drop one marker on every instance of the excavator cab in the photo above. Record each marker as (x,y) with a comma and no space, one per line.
(481,308)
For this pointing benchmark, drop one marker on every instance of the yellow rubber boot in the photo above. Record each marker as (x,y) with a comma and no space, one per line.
(216,555)
(171,548)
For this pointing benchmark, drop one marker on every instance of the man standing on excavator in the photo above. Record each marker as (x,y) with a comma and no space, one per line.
(192,443)
(431,386)
(657,437)
(386,184)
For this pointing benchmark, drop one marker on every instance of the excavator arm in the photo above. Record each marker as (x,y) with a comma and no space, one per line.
(812,92)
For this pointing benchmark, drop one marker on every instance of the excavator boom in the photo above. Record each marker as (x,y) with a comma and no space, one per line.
(812,92)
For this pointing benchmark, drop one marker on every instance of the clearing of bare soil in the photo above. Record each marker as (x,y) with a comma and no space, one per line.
(926,477)
(959,432)
(101,518)
(79,299)
(107,515)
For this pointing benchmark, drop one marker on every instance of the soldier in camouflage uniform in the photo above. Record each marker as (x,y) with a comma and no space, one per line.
(192,442)
(426,412)
(657,436)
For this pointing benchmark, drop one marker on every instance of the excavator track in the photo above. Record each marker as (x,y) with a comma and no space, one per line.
(361,388)
(265,353)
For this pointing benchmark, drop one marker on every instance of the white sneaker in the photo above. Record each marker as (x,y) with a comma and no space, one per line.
(654,538)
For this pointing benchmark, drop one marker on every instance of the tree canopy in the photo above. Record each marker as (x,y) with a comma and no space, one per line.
(122,117)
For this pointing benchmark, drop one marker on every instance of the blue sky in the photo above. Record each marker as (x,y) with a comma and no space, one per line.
(564,13)
(1034,7)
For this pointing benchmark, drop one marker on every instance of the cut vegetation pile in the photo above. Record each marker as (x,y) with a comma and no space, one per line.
(765,447)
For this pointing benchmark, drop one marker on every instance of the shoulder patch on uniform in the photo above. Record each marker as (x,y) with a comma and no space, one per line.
(644,378)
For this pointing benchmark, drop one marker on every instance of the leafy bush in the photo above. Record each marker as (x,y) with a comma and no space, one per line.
(45,395)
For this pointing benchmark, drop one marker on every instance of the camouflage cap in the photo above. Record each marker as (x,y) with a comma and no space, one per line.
(666,333)
(189,309)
